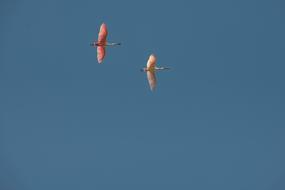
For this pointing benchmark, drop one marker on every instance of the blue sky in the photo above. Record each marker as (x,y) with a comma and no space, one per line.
(215,121)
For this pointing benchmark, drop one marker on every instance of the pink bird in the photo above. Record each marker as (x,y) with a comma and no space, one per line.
(150,70)
(102,43)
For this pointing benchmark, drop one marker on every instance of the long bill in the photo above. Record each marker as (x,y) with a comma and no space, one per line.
(112,44)
(162,68)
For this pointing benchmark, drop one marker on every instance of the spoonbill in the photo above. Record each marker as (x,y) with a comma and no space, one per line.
(102,43)
(150,70)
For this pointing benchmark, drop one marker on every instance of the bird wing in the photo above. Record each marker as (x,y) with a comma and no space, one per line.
(151,62)
(102,36)
(100,53)
(151,79)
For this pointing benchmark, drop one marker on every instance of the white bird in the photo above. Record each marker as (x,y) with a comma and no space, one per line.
(150,70)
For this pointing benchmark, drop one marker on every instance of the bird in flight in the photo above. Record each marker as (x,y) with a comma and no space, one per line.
(150,70)
(102,43)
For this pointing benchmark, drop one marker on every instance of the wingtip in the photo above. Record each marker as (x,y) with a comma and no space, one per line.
(152,55)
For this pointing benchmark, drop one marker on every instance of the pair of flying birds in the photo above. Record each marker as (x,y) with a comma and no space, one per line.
(101,44)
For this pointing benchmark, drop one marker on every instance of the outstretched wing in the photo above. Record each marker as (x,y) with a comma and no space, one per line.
(151,62)
(102,36)
(151,79)
(100,53)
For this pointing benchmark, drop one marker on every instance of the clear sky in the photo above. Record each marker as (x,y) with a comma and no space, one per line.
(215,121)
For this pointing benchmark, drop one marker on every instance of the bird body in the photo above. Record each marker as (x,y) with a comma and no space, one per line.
(102,43)
(150,70)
